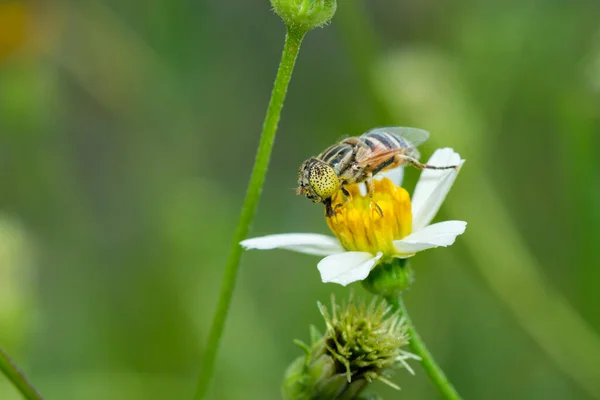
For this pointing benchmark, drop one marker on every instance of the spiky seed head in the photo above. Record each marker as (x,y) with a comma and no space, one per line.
(362,343)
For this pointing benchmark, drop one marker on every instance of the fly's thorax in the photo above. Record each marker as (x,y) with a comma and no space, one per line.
(353,174)
(317,180)
(338,156)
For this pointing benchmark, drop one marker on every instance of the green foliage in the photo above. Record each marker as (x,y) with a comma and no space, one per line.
(127,135)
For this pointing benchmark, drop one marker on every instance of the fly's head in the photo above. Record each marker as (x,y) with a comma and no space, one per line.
(317,180)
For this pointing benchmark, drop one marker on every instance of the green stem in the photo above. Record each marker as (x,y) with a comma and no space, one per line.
(293,40)
(18,379)
(418,347)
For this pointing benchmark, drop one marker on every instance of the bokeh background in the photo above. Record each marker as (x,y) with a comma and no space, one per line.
(127,134)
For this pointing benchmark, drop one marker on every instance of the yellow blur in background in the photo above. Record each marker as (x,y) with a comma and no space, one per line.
(14,23)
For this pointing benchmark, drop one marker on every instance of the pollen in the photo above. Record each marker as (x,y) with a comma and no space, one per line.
(360,227)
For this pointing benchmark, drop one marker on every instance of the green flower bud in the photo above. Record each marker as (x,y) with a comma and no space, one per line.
(17,286)
(362,343)
(305,14)
(391,278)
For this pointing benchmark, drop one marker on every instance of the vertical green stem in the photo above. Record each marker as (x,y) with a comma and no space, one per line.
(291,48)
(18,379)
(418,347)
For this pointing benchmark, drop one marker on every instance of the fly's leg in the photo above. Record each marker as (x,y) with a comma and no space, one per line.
(329,211)
(415,163)
(337,206)
(347,198)
(371,191)
(347,194)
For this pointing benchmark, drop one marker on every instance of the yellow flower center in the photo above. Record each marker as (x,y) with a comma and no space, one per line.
(360,227)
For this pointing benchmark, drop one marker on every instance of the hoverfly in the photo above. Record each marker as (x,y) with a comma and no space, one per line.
(357,159)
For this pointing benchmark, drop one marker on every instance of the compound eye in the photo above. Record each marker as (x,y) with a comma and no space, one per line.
(323,180)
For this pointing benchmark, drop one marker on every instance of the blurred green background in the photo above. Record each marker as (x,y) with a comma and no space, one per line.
(127,135)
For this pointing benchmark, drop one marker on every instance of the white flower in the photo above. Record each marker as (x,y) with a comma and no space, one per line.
(364,238)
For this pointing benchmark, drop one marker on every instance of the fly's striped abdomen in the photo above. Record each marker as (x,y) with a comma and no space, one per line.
(338,156)
(384,140)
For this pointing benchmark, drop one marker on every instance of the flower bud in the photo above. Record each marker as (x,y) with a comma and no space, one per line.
(17,286)
(305,14)
(390,278)
(362,344)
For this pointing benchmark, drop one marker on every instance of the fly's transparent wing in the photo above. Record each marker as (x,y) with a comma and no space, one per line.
(415,136)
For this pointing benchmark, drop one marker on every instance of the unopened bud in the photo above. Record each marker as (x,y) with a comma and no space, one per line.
(305,14)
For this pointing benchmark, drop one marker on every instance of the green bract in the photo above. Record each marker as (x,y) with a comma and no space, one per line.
(305,14)
(389,279)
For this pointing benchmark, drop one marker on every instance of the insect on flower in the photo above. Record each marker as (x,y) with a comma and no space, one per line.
(364,239)
(357,159)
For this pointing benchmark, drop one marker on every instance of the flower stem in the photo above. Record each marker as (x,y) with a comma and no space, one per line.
(293,40)
(18,379)
(417,345)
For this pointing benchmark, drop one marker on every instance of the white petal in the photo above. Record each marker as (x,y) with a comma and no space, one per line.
(396,175)
(440,234)
(433,186)
(309,243)
(362,187)
(347,267)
